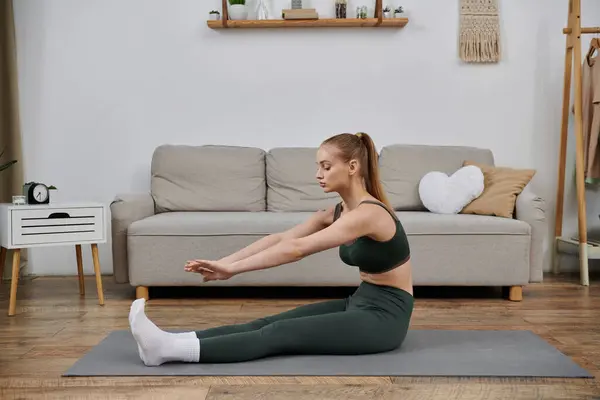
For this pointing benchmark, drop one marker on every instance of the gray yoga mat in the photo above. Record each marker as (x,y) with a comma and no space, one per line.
(463,353)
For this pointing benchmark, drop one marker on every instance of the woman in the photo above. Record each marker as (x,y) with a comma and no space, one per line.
(374,319)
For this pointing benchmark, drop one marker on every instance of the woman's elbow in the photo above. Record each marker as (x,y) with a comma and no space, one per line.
(276,238)
(294,249)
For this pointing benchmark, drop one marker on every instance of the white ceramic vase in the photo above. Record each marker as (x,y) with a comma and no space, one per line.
(238,12)
(262,10)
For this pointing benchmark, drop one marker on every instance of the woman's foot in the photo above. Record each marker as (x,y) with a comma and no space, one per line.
(156,346)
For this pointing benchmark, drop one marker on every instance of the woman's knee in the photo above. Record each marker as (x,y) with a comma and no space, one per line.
(257,323)
(278,331)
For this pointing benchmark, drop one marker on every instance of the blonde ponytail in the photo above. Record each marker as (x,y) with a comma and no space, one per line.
(371,172)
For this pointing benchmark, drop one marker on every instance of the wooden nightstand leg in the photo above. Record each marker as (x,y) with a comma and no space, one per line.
(2,262)
(80,269)
(12,306)
(97,272)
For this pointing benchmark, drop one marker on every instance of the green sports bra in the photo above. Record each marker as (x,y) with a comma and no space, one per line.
(373,256)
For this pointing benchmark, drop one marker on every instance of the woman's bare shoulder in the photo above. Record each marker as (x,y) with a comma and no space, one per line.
(327,215)
(319,220)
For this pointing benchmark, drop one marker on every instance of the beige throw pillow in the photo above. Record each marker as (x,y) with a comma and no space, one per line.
(502,185)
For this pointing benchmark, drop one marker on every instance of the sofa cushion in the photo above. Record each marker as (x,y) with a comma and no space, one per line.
(292,183)
(403,166)
(419,223)
(446,249)
(208,178)
(445,194)
(264,223)
(216,223)
(502,186)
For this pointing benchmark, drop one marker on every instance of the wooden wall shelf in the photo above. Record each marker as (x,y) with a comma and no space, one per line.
(317,23)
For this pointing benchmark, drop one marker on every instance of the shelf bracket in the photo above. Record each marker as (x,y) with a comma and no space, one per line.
(378,11)
(225,14)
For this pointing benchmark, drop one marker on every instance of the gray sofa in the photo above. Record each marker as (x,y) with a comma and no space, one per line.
(209,201)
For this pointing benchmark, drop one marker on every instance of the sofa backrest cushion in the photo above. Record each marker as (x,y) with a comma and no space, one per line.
(291,181)
(208,178)
(403,166)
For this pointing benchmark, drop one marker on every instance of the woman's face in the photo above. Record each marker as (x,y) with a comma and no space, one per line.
(333,174)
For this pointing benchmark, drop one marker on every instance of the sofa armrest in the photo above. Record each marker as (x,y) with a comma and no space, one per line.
(531,208)
(125,209)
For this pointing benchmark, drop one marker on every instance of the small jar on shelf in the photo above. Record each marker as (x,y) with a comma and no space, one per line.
(361,12)
(340,8)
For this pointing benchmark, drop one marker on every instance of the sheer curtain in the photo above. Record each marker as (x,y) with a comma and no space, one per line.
(11,165)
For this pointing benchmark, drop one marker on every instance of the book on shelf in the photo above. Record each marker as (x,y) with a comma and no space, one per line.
(303,13)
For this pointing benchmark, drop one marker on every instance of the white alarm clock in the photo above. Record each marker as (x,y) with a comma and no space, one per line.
(36,193)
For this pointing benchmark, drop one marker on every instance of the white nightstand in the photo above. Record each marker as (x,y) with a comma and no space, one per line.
(29,226)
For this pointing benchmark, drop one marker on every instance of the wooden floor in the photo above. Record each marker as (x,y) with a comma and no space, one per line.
(54,327)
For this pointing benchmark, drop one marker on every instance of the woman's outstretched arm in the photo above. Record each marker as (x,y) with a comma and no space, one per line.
(356,223)
(319,220)
(253,248)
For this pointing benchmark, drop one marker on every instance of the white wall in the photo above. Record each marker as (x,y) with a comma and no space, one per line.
(114,79)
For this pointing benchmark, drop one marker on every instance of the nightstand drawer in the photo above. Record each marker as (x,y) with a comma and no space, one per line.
(57,225)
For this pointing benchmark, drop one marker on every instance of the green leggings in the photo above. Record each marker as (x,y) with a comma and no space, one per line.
(374,319)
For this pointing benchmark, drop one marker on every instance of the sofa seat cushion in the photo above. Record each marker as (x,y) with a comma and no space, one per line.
(449,249)
(428,223)
(195,223)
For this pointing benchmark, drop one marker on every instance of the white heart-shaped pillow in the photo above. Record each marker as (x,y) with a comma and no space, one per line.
(445,194)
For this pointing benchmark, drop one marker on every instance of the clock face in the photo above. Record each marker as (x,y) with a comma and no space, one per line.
(40,193)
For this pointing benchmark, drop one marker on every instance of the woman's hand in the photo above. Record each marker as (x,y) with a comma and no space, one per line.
(210,270)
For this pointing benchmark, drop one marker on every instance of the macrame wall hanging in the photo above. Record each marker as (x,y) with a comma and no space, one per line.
(479,31)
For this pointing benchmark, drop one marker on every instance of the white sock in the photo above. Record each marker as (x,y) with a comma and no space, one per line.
(156,346)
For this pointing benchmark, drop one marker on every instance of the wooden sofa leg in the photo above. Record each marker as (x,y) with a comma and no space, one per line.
(515,293)
(141,291)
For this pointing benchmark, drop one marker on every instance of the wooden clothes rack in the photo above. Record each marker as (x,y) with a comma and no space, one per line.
(573,55)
